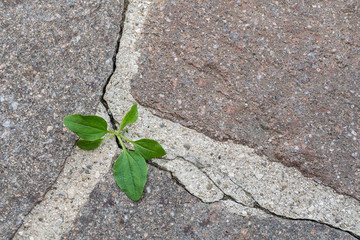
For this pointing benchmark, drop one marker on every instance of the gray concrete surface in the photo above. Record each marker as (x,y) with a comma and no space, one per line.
(203,188)
(55,58)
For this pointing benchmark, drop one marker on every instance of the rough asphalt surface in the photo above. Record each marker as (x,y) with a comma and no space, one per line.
(282,77)
(54,61)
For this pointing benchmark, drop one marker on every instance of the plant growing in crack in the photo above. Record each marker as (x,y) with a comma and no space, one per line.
(130,169)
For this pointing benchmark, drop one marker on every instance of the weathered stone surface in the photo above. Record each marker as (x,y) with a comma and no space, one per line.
(54,59)
(282,77)
(234,168)
(167,211)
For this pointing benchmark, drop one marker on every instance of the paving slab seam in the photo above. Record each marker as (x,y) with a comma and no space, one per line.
(227,197)
(257,206)
(54,215)
(281,190)
(246,143)
(179,183)
(102,99)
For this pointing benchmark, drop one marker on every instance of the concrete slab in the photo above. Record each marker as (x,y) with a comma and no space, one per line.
(281,77)
(54,59)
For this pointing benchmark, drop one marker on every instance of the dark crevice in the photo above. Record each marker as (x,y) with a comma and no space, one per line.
(113,122)
(258,206)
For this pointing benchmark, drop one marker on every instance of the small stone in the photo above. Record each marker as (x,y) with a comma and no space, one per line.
(70,194)
(7,123)
(311,208)
(187,146)
(259,175)
(14,105)
(97,174)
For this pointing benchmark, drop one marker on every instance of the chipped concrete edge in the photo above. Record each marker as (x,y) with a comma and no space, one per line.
(209,169)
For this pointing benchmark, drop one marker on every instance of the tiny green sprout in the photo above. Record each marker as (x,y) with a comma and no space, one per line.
(130,169)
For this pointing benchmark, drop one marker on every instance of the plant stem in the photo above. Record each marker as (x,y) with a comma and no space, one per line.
(109,136)
(121,142)
(125,138)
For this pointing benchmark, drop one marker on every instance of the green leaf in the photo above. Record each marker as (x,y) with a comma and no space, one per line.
(130,117)
(86,127)
(89,145)
(130,173)
(148,148)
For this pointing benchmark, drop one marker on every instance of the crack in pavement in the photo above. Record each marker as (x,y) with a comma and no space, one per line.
(226,196)
(280,190)
(117,47)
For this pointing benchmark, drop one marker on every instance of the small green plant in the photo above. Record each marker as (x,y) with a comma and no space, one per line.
(130,168)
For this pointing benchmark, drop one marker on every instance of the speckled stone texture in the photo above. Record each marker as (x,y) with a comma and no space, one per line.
(167,211)
(280,76)
(55,57)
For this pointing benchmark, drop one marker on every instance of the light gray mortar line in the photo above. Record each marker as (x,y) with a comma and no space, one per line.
(258,206)
(211,180)
(246,143)
(228,197)
(176,180)
(45,192)
(117,47)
